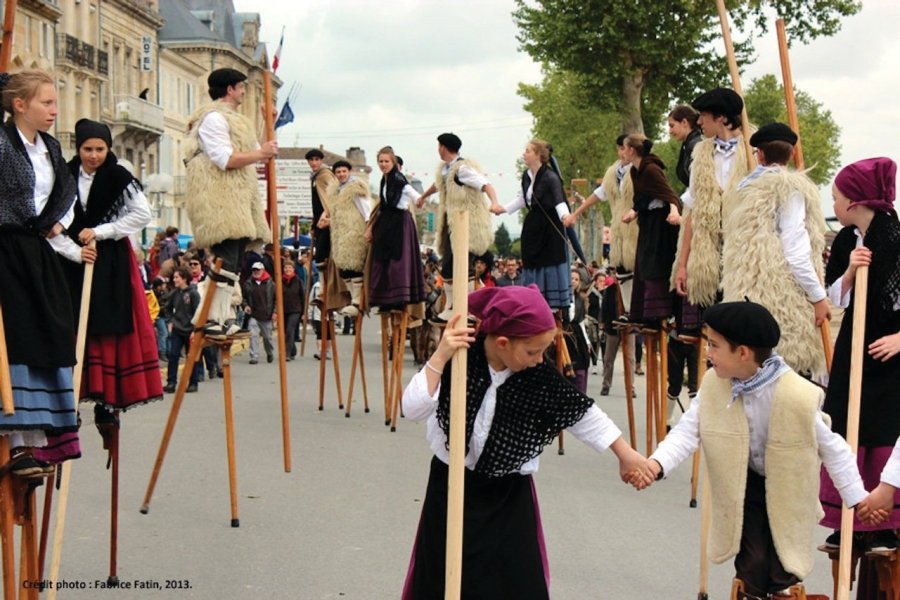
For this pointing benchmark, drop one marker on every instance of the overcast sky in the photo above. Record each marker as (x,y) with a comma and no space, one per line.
(400,73)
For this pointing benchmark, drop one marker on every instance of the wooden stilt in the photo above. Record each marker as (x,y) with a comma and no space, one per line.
(325,330)
(229,433)
(650,374)
(45,524)
(385,325)
(28,568)
(701,370)
(197,343)
(113,579)
(336,363)
(7,512)
(400,346)
(663,345)
(307,293)
(624,342)
(358,358)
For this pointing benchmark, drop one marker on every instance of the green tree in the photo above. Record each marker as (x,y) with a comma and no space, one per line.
(635,57)
(502,242)
(819,133)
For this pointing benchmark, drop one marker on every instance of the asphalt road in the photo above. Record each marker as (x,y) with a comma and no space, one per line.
(341,524)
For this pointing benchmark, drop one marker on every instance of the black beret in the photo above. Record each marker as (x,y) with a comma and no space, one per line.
(85,129)
(222,78)
(340,163)
(399,160)
(773,132)
(719,101)
(314,153)
(451,141)
(744,323)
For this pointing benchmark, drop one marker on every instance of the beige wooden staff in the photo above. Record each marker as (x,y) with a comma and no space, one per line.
(66,476)
(459,234)
(857,354)
(794,122)
(735,80)
(272,198)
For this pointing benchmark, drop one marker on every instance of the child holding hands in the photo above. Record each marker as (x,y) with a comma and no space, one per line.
(515,405)
(763,437)
(879,504)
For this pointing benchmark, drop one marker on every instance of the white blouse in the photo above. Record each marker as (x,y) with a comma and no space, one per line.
(595,429)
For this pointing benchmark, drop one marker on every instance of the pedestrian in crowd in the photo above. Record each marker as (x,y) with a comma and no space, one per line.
(510,274)
(259,303)
(162,292)
(183,303)
(294,300)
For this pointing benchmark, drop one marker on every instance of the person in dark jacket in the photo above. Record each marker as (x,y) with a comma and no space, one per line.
(259,303)
(293,290)
(183,303)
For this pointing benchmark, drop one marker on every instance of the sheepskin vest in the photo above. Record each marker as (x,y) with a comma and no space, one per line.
(792,469)
(623,237)
(348,228)
(754,265)
(223,205)
(711,206)
(462,198)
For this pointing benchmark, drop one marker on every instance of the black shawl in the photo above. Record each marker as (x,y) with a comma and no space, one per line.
(685,156)
(543,236)
(111,294)
(387,238)
(533,406)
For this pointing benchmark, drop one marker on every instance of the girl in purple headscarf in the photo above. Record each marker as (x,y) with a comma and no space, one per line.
(863,202)
(515,405)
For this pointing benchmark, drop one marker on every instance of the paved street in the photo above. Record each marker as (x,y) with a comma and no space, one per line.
(341,523)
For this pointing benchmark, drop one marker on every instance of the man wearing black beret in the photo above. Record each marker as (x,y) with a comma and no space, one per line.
(462,182)
(223,201)
(763,437)
(773,244)
(321,179)
(719,163)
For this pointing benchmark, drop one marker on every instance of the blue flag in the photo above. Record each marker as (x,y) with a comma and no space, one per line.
(286,116)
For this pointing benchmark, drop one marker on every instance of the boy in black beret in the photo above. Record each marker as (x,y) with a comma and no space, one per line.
(763,438)
(772,248)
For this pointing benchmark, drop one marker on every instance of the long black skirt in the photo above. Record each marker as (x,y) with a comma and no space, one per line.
(503,541)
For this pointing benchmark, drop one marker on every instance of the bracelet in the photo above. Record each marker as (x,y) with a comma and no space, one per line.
(432,369)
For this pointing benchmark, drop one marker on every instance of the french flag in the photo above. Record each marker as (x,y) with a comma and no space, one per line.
(277,59)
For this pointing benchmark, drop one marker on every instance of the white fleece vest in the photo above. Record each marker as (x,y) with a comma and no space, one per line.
(792,469)
(623,237)
(462,198)
(348,228)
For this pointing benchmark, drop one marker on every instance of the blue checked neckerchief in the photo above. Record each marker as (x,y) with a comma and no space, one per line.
(620,172)
(726,147)
(773,368)
(754,175)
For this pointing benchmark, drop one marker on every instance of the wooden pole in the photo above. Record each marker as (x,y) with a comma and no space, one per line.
(385,324)
(272,197)
(193,354)
(113,579)
(788,83)
(705,508)
(825,329)
(66,470)
(9,23)
(663,382)
(229,434)
(306,293)
(623,336)
(398,368)
(701,370)
(45,523)
(324,329)
(857,354)
(456,479)
(336,363)
(735,80)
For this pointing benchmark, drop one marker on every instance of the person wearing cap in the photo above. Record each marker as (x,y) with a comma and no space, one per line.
(516,404)
(719,164)
(763,438)
(321,178)
(122,368)
(259,304)
(772,248)
(223,201)
(351,206)
(864,194)
(461,185)
(183,304)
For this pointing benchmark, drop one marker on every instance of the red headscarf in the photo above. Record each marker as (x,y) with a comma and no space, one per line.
(870,182)
(512,311)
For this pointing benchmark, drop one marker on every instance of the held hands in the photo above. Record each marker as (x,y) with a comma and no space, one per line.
(55,231)
(877,506)
(629,216)
(497,208)
(569,219)
(673,218)
(885,348)
(631,464)
(645,474)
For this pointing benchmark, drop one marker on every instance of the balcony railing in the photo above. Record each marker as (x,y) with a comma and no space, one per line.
(81,54)
(132,111)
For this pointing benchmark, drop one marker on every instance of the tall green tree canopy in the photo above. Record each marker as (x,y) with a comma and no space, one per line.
(636,57)
(502,241)
(819,133)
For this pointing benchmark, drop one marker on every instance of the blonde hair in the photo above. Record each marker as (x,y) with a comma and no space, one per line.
(639,143)
(542,149)
(387,151)
(23,85)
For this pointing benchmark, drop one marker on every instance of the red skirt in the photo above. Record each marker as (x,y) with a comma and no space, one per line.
(122,370)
